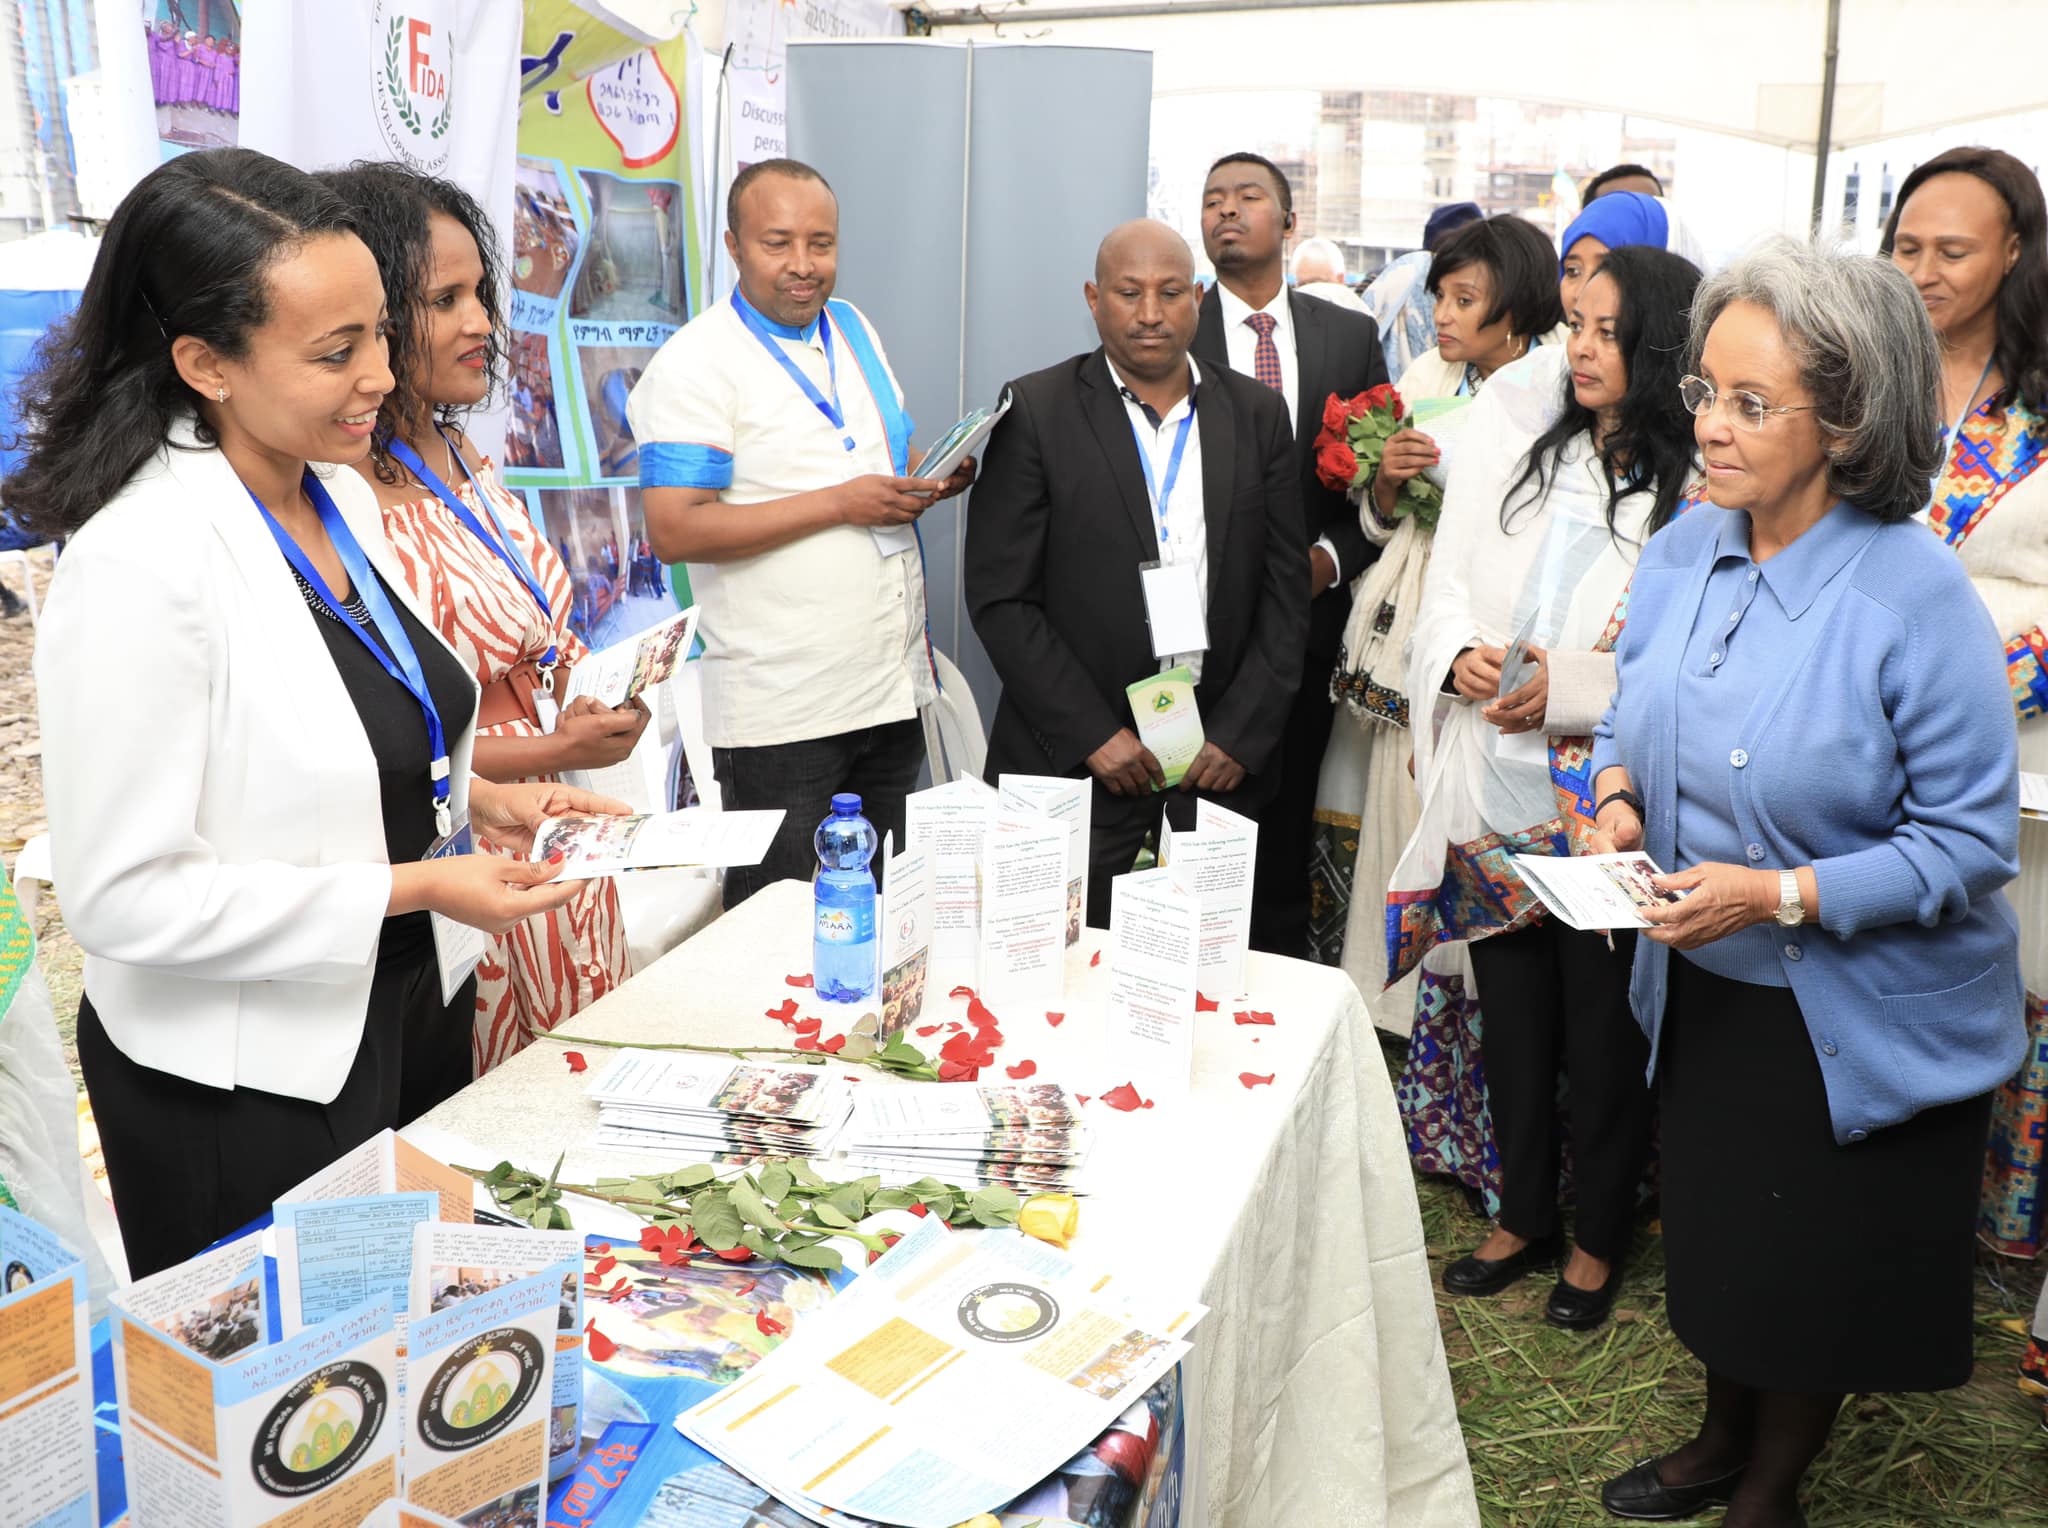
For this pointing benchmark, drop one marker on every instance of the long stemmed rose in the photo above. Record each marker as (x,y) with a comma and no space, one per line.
(1353,438)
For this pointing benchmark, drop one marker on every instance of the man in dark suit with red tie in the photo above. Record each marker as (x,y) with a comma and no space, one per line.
(1305,349)
(1130,455)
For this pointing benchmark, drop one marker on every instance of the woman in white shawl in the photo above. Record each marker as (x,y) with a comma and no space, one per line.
(1365,801)
(1558,485)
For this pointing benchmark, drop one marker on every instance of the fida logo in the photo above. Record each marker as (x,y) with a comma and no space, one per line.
(480,1390)
(319,1427)
(412,83)
(1163,701)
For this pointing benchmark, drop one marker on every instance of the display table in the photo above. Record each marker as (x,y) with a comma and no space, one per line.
(1317,1391)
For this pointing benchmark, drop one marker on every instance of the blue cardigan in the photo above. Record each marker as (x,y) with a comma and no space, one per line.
(1882,752)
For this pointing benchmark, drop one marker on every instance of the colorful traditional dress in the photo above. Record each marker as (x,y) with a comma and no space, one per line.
(1486,796)
(551,966)
(1991,504)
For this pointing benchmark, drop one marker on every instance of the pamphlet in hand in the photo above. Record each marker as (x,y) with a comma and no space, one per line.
(965,439)
(1596,891)
(1515,668)
(1169,721)
(221,1430)
(621,671)
(599,846)
(2034,796)
(46,1403)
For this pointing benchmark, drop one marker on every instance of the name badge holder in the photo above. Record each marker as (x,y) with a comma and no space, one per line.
(1172,592)
(458,948)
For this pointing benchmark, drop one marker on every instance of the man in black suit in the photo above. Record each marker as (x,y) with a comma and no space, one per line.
(1305,349)
(1065,513)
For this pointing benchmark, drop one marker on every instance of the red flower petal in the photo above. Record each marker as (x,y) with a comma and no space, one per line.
(735,1255)
(808,1025)
(807,1043)
(1254,1080)
(768,1325)
(920,1211)
(1125,1097)
(1055,1019)
(1095,959)
(1204,1004)
(619,1291)
(1022,1070)
(576,1061)
(1081,1098)
(798,981)
(890,1238)
(962,991)
(605,1265)
(979,1016)
(593,1279)
(956,1071)
(1248,1017)
(785,1012)
(745,1288)
(650,1238)
(671,1255)
(600,1247)
(602,1348)
(834,1045)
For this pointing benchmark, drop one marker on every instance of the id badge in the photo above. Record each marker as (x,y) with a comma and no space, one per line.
(546,710)
(458,948)
(1173,608)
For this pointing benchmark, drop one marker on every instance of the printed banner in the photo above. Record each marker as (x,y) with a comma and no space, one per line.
(602,273)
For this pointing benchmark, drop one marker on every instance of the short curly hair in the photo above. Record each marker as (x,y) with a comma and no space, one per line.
(1867,354)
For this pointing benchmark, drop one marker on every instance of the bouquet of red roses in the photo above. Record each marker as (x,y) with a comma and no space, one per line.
(1354,435)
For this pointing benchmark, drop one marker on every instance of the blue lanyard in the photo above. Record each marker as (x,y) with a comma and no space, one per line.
(1160,496)
(829,407)
(508,552)
(401,662)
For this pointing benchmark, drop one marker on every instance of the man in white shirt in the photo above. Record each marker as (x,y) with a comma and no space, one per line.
(1307,350)
(773,452)
(1130,457)
(1318,270)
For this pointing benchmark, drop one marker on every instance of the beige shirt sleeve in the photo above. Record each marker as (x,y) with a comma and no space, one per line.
(1581,685)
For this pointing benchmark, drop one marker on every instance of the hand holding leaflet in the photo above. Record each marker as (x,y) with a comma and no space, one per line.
(618,673)
(1596,891)
(599,846)
(965,439)
(1169,721)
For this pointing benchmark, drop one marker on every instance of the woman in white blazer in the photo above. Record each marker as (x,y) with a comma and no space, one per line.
(239,760)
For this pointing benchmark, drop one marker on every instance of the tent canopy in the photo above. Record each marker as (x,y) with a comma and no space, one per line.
(1752,68)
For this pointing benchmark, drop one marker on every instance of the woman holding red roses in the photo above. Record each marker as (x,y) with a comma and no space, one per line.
(1495,286)
(1558,485)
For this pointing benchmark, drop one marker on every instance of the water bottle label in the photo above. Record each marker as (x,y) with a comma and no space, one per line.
(846,925)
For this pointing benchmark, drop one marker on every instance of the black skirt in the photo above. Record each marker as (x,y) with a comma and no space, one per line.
(188,1163)
(1793,1263)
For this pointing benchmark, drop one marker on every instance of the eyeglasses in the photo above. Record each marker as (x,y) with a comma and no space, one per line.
(1699,396)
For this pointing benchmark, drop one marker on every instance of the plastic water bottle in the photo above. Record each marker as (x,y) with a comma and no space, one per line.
(843,935)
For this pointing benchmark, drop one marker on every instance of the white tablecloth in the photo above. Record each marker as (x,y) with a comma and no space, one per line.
(1318,1392)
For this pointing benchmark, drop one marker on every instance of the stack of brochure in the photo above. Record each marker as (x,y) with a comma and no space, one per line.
(1024,1136)
(702,1108)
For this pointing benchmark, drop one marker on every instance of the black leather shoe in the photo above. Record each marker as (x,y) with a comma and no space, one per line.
(1580,1310)
(1490,1275)
(1640,1495)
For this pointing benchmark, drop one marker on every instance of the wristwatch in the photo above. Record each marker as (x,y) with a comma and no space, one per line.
(1791,908)
(1628,799)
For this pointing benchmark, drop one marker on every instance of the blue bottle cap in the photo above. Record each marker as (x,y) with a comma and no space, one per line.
(846,804)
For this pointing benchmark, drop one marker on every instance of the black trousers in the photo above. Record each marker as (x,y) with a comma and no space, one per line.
(1117,826)
(1552,999)
(880,764)
(188,1163)
(1287,830)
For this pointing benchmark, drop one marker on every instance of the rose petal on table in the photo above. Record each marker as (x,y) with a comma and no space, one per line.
(1204,1004)
(600,1248)
(926,1031)
(745,1288)
(961,991)
(806,1043)
(798,981)
(808,1025)
(619,1291)
(576,1061)
(919,1210)
(1254,1080)
(783,1012)
(979,1016)
(1022,1070)
(835,1045)
(956,1071)
(1246,1016)
(604,1266)
(1080,1098)
(593,1280)
(602,1348)
(1125,1097)
(735,1255)
(650,1238)
(767,1325)
(1095,959)
(1055,1019)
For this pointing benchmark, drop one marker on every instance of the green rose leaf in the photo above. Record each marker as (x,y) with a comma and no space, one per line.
(827,1258)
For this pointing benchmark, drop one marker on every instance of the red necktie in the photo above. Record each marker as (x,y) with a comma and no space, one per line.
(1266,354)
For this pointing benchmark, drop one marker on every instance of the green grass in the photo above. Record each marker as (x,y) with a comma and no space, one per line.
(1550,1415)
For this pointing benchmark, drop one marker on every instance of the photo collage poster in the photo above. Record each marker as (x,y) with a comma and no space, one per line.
(194,49)
(601,274)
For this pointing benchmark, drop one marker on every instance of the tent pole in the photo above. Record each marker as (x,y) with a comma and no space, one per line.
(1827,112)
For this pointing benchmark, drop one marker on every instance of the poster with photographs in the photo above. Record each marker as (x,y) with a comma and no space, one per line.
(602,275)
(195,71)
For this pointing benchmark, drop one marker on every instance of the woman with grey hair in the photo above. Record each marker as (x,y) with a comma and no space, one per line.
(1811,718)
